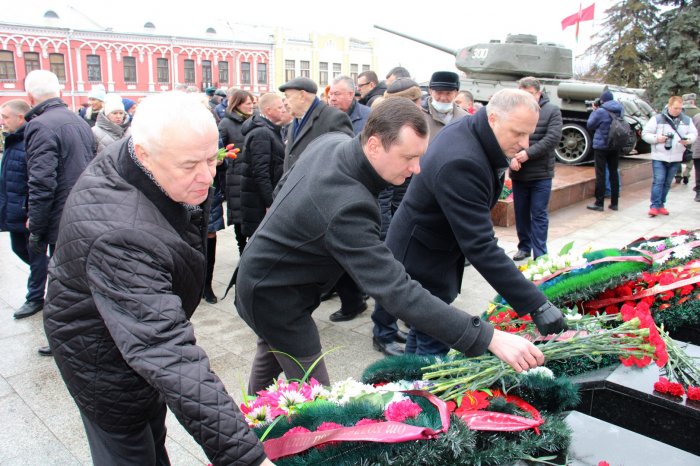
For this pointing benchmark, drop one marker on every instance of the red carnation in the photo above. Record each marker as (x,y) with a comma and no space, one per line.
(365,421)
(675,389)
(666,279)
(296,430)
(610,310)
(667,295)
(662,385)
(694,393)
(603,463)
(686,290)
(399,411)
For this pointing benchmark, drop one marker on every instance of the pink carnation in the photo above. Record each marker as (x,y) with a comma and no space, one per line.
(328,426)
(296,430)
(399,411)
(365,422)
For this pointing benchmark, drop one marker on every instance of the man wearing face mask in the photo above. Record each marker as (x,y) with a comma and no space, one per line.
(439,106)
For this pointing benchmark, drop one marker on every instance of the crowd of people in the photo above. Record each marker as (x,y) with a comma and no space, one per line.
(370,188)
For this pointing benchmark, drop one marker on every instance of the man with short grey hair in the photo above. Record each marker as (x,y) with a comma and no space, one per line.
(59,146)
(128,274)
(13,197)
(342,97)
(445,217)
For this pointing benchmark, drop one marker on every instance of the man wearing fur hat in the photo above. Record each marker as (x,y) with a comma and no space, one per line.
(440,106)
(312,118)
(96,98)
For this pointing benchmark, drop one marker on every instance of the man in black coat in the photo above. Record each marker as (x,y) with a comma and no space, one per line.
(13,205)
(532,170)
(312,118)
(261,161)
(446,216)
(325,222)
(59,146)
(127,275)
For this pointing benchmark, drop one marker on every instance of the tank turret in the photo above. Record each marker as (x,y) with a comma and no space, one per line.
(491,66)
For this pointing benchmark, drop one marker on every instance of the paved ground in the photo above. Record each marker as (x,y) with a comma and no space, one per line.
(41,425)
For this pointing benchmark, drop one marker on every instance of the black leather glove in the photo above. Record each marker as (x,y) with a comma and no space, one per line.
(36,244)
(548,319)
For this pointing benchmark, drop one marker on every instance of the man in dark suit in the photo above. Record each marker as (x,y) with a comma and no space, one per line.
(446,215)
(312,118)
(323,223)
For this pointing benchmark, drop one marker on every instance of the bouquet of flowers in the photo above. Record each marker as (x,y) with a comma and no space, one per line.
(228,152)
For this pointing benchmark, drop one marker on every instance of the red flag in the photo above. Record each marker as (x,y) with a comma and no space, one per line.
(583,15)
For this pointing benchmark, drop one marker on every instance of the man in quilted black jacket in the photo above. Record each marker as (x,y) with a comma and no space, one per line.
(127,274)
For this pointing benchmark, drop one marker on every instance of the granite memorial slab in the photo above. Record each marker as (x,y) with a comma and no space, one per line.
(625,397)
(594,440)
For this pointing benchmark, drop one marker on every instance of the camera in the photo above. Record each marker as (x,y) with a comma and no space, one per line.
(669,141)
(592,103)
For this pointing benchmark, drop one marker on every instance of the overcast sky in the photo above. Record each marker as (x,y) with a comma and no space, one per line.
(454,24)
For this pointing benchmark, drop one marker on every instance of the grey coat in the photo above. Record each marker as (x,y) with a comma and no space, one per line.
(107,132)
(324,222)
(322,119)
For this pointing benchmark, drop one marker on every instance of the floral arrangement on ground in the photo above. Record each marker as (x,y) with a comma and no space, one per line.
(454,409)
(664,272)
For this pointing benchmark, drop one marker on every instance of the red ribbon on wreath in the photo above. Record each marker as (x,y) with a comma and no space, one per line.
(384,432)
(503,422)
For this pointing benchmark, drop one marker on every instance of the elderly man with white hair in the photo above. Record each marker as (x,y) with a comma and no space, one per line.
(127,275)
(59,145)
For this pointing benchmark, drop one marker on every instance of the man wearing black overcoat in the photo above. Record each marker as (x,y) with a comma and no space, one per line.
(446,214)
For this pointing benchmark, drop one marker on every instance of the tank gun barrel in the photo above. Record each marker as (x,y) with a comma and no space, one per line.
(420,41)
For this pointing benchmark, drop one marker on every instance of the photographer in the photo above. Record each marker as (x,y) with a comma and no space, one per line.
(599,122)
(668,133)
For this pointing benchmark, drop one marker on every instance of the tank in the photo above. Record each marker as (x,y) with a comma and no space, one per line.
(490,67)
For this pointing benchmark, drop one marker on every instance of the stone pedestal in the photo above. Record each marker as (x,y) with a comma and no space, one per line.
(625,397)
(594,440)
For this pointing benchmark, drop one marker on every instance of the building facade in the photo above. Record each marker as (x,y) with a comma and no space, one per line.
(135,64)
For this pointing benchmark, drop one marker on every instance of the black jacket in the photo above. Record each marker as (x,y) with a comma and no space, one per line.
(59,146)
(541,156)
(324,222)
(127,274)
(322,119)
(446,215)
(261,169)
(13,184)
(230,133)
(374,94)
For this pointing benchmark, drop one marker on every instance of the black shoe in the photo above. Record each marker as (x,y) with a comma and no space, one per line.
(390,349)
(209,296)
(685,180)
(28,309)
(697,197)
(327,295)
(521,255)
(45,351)
(401,336)
(342,316)
(612,207)
(596,207)
(678,180)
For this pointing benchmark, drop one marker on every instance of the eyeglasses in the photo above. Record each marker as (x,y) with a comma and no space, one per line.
(362,85)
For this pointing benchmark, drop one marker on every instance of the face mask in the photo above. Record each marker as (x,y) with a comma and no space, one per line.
(441,107)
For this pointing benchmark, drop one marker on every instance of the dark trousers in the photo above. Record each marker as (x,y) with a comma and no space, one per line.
(350,294)
(531,201)
(609,158)
(38,265)
(696,164)
(144,446)
(385,327)
(267,365)
(241,239)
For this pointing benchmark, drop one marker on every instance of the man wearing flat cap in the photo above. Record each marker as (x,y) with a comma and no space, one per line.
(440,106)
(312,118)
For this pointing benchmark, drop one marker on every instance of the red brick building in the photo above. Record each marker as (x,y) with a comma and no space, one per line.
(131,64)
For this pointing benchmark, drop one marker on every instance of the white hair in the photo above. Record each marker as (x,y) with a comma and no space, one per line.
(42,85)
(168,113)
(505,101)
